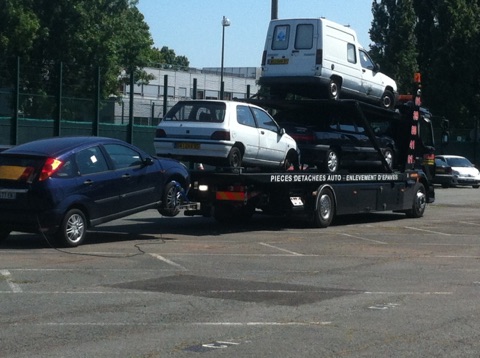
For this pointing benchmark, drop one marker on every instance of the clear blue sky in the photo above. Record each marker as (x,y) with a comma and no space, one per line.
(192,28)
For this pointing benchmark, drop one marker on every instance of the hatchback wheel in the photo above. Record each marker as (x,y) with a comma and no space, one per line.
(291,160)
(172,198)
(234,158)
(73,229)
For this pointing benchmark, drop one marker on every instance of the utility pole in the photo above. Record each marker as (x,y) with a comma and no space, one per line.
(274,10)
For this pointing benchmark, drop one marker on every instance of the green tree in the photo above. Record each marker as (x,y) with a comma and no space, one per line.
(394,43)
(448,33)
(18,27)
(167,56)
(82,34)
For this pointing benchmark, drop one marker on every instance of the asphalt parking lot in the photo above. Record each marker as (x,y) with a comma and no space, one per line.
(378,285)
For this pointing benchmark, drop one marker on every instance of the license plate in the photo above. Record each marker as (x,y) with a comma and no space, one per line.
(8,195)
(187,146)
(278,61)
(296,201)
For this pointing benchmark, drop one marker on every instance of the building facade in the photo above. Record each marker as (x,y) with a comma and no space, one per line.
(177,84)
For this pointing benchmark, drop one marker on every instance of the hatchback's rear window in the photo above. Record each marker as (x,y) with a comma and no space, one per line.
(197,112)
(19,168)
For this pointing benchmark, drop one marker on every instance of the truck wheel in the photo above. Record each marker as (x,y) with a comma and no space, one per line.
(171,200)
(234,158)
(331,162)
(73,229)
(388,100)
(333,89)
(324,208)
(419,203)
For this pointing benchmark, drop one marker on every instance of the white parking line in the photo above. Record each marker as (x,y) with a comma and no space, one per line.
(430,231)
(161,258)
(365,239)
(280,249)
(8,278)
(469,223)
(204,324)
(427,293)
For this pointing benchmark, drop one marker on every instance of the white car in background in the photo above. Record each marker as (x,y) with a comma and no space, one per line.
(463,172)
(224,133)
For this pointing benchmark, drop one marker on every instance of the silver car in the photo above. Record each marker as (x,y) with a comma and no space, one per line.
(224,133)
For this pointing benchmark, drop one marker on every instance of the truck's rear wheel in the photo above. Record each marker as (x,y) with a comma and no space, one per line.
(419,203)
(324,208)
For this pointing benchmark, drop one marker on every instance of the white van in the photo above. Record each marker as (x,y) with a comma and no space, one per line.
(318,58)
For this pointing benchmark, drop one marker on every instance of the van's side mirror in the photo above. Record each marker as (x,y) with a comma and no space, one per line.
(282,131)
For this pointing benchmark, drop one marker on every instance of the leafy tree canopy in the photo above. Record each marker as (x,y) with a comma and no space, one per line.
(82,34)
(168,56)
(441,39)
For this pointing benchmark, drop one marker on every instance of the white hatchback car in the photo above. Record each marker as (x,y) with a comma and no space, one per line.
(224,133)
(463,172)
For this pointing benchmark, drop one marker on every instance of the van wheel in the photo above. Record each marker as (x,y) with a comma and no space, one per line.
(234,158)
(334,90)
(388,100)
(331,162)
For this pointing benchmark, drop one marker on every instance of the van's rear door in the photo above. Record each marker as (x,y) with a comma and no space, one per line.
(291,48)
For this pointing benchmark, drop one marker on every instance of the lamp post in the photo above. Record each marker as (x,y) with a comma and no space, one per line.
(225,23)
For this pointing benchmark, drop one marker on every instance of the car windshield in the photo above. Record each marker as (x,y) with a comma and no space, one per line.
(459,162)
(197,112)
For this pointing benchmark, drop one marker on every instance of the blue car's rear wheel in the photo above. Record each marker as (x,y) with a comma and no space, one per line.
(73,229)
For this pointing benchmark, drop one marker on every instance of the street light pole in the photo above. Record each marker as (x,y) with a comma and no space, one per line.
(225,23)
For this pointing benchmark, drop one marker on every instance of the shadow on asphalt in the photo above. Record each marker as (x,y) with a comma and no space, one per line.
(164,228)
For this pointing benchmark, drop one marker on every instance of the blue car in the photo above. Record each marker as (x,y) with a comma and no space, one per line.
(62,186)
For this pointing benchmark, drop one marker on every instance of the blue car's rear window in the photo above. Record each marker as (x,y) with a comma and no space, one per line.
(18,168)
